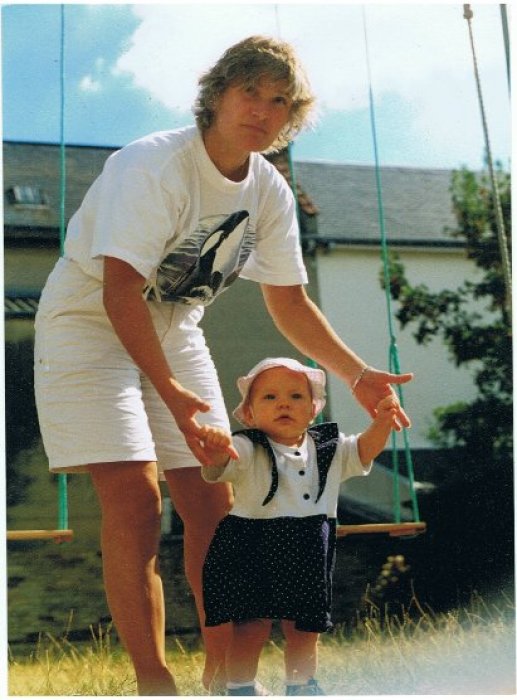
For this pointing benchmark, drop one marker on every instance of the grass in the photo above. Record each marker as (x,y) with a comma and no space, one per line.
(469,651)
(49,582)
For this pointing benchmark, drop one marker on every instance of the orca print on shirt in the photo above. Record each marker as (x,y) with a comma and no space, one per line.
(205,263)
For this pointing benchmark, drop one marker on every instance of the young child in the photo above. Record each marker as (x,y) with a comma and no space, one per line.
(272,556)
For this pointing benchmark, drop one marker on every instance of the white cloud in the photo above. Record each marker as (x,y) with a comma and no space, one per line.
(174,44)
(428,61)
(89,84)
(420,53)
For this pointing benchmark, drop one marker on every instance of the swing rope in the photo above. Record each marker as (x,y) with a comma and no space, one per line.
(506,39)
(394,359)
(501,233)
(62,478)
(397,528)
(62,533)
(294,187)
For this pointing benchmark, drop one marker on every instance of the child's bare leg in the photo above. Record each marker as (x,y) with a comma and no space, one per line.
(244,649)
(301,653)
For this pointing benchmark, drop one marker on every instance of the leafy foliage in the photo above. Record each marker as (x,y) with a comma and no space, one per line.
(471,514)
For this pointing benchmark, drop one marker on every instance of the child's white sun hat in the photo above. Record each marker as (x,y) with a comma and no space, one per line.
(315,376)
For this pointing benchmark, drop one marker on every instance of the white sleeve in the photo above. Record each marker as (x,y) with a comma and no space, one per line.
(349,456)
(277,258)
(134,219)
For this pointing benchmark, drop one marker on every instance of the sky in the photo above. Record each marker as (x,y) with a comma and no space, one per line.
(132,69)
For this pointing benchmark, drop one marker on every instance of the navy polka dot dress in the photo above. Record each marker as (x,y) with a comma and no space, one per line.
(272,568)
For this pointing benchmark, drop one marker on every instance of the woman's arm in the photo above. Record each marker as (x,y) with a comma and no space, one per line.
(132,322)
(304,325)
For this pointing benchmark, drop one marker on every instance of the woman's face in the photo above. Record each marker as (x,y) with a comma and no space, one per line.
(249,117)
(280,404)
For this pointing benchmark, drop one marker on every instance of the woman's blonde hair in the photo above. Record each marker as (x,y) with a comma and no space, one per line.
(246,63)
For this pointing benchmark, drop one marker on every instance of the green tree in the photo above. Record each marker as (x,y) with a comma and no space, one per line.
(471,514)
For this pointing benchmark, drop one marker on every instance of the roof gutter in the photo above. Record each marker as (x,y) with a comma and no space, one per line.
(332,241)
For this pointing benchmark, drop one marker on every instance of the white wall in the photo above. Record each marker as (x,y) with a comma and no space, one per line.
(352,299)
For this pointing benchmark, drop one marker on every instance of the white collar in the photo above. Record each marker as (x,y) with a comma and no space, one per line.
(290,451)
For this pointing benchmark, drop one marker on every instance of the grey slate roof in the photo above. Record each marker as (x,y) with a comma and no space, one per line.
(416,201)
(38,165)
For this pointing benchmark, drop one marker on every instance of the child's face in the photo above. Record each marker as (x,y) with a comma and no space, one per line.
(280,404)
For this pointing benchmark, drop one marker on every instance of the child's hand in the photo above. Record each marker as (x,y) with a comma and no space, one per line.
(218,445)
(373,440)
(388,413)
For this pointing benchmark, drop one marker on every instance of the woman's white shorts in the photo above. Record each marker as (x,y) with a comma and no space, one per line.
(94,405)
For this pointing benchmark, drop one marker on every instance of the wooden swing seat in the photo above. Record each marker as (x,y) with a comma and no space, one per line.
(56,535)
(406,529)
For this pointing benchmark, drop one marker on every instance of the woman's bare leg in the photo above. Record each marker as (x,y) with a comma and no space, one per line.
(243,655)
(201,506)
(131,505)
(301,653)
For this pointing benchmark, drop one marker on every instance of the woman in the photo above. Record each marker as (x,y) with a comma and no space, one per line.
(123,377)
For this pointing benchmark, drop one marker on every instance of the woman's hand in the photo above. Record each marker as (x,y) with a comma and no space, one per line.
(131,320)
(209,445)
(184,405)
(305,326)
(374,386)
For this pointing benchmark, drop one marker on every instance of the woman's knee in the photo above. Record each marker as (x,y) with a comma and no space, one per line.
(128,493)
(200,505)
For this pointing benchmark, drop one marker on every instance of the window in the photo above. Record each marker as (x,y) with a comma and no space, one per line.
(27,196)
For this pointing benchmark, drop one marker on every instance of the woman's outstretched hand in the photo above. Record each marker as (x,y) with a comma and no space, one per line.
(376,385)
(186,405)
(184,408)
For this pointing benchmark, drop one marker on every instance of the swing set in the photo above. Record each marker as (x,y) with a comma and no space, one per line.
(62,533)
(397,528)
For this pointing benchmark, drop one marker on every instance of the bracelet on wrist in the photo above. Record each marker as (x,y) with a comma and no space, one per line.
(358,378)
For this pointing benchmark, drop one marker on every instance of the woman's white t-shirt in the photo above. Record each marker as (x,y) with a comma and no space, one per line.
(161,205)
